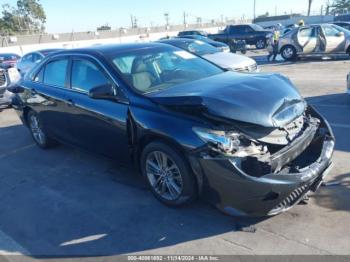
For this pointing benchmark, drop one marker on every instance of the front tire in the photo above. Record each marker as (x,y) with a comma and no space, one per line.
(168,174)
(289,53)
(260,43)
(37,132)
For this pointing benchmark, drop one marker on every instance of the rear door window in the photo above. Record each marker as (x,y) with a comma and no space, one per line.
(55,72)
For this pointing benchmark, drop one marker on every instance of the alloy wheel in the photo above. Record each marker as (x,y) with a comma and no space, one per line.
(260,44)
(36,130)
(288,52)
(164,175)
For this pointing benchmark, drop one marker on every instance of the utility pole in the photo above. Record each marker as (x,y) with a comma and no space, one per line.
(166,17)
(254,9)
(133,21)
(185,22)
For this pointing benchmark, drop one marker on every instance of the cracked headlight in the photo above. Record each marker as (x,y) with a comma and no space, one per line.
(224,141)
(231,143)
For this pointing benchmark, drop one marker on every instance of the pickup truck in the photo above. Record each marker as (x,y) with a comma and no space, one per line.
(252,34)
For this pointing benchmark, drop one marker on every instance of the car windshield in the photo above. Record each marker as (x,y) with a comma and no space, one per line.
(256,27)
(153,69)
(197,47)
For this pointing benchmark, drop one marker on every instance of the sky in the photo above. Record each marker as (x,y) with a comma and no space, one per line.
(87,15)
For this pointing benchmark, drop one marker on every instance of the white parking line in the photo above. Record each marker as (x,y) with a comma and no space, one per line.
(340,125)
(9,246)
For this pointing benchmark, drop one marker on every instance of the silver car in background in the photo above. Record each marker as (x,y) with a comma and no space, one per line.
(319,39)
(8,76)
(228,61)
(28,61)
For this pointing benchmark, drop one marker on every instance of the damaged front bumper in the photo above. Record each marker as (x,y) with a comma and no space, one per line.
(230,188)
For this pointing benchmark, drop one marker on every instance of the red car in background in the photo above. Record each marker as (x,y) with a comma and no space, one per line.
(9,59)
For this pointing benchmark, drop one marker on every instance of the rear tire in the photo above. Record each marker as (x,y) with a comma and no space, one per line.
(168,174)
(289,53)
(37,131)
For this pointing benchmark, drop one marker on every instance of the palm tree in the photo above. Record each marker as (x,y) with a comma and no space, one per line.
(309,8)
(341,6)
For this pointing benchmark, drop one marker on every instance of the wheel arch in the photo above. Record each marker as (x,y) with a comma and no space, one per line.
(149,138)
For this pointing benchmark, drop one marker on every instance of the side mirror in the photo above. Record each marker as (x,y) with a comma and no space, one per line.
(340,34)
(106,91)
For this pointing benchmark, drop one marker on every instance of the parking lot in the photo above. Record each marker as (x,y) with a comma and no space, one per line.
(65,202)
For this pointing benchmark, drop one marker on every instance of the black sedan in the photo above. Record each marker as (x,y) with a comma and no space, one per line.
(248,143)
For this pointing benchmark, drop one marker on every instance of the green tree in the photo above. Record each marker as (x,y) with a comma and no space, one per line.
(341,6)
(27,17)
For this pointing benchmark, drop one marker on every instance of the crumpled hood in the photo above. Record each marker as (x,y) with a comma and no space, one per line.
(268,100)
(230,61)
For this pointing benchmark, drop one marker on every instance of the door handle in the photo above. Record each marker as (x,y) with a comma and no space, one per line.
(69,102)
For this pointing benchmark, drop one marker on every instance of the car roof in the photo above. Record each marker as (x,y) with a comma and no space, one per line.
(45,51)
(110,49)
(49,50)
(9,54)
(241,24)
(178,40)
(192,31)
